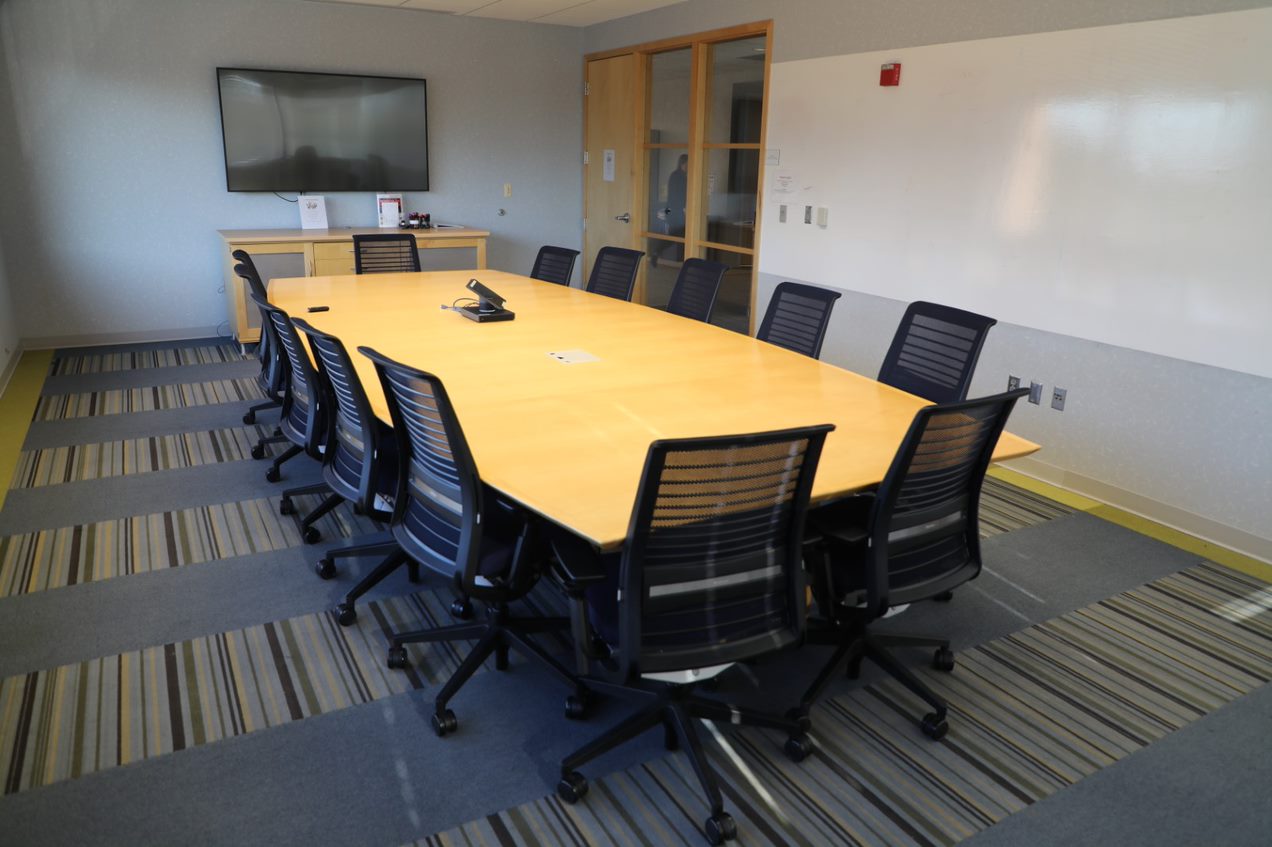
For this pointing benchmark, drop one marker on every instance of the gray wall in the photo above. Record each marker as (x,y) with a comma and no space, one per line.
(8,320)
(116,187)
(805,29)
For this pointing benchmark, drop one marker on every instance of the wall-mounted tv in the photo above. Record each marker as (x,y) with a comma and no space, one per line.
(294,131)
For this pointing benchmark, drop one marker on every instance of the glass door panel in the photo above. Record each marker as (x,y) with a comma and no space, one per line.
(728,208)
(670,81)
(733,303)
(735,92)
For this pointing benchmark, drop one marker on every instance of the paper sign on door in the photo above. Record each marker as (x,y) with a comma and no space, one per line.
(607,166)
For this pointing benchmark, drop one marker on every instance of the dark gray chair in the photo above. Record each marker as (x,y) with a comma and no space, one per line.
(697,285)
(797,317)
(934,351)
(385,252)
(554,264)
(710,574)
(614,272)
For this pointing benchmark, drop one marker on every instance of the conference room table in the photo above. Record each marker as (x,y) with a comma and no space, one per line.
(560,405)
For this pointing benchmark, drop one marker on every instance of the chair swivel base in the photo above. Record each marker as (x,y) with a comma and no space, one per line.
(497,635)
(249,417)
(346,613)
(675,708)
(852,649)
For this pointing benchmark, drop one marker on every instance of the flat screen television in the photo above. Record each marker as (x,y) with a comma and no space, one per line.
(294,131)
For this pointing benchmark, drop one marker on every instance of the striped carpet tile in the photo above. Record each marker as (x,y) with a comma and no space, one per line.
(78,462)
(90,716)
(55,558)
(1004,507)
(92,363)
(117,401)
(1030,714)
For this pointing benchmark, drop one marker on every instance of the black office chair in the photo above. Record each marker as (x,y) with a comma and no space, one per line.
(554,264)
(614,272)
(359,464)
(303,414)
(934,352)
(914,539)
(709,575)
(697,285)
(445,519)
(797,317)
(385,252)
(272,378)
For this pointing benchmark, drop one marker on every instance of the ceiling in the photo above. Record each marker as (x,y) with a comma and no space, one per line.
(561,12)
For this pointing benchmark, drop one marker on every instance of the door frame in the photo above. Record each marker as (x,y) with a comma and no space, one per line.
(694,240)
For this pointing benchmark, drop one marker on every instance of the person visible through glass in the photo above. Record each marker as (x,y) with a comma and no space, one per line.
(673,216)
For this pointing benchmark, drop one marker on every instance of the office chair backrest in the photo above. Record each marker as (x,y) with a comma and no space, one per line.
(273,374)
(350,466)
(554,264)
(385,252)
(303,404)
(250,275)
(437,511)
(711,569)
(694,294)
(934,352)
(614,272)
(924,522)
(797,317)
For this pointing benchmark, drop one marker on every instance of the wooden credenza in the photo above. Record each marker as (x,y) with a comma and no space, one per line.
(327,252)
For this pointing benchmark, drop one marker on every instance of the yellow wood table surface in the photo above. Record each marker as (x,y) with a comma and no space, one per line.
(569,440)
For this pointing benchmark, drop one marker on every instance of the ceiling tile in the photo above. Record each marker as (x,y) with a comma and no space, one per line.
(521,10)
(457,7)
(599,11)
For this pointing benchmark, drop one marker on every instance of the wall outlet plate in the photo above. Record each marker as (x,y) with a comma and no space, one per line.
(1013,382)
(1035,393)
(1058,396)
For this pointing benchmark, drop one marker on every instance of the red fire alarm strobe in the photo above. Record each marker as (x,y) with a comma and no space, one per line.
(890,74)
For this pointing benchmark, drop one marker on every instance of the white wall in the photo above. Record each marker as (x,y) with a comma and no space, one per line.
(116,184)
(1109,184)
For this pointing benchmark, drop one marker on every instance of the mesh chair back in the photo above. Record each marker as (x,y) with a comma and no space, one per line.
(273,373)
(350,464)
(301,406)
(251,276)
(385,252)
(925,519)
(437,513)
(711,572)
(934,352)
(694,294)
(797,317)
(614,272)
(554,264)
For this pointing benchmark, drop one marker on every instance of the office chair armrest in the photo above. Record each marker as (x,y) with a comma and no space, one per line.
(577,565)
(844,521)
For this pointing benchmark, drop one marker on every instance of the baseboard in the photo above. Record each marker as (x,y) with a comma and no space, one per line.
(53,342)
(6,372)
(1171,517)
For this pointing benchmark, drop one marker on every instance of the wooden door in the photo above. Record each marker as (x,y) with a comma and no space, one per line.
(610,113)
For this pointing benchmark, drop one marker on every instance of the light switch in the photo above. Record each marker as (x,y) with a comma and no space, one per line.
(507,189)
(823,215)
(781,213)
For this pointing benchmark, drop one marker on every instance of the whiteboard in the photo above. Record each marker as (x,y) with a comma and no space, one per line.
(1113,184)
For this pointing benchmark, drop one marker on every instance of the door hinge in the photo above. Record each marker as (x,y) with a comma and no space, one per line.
(585,157)
(585,224)
(587,88)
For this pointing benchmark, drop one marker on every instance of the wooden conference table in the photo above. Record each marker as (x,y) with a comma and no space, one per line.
(568,441)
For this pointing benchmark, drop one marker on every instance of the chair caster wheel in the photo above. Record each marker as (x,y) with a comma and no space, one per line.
(572,788)
(312,535)
(720,828)
(325,568)
(798,747)
(249,418)
(286,506)
(462,609)
(934,726)
(346,614)
(273,474)
(444,723)
(397,659)
(943,659)
(576,706)
(258,451)
(944,597)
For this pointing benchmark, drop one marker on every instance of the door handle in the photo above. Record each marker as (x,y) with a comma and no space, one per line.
(625,218)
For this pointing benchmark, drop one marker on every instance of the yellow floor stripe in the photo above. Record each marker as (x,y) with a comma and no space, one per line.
(1144,526)
(16,407)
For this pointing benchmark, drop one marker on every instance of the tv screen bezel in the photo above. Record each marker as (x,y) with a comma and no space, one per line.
(225,152)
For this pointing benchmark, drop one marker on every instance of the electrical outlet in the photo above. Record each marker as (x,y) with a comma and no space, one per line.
(808,214)
(1057,398)
(1013,382)
(781,213)
(1035,393)
(507,189)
